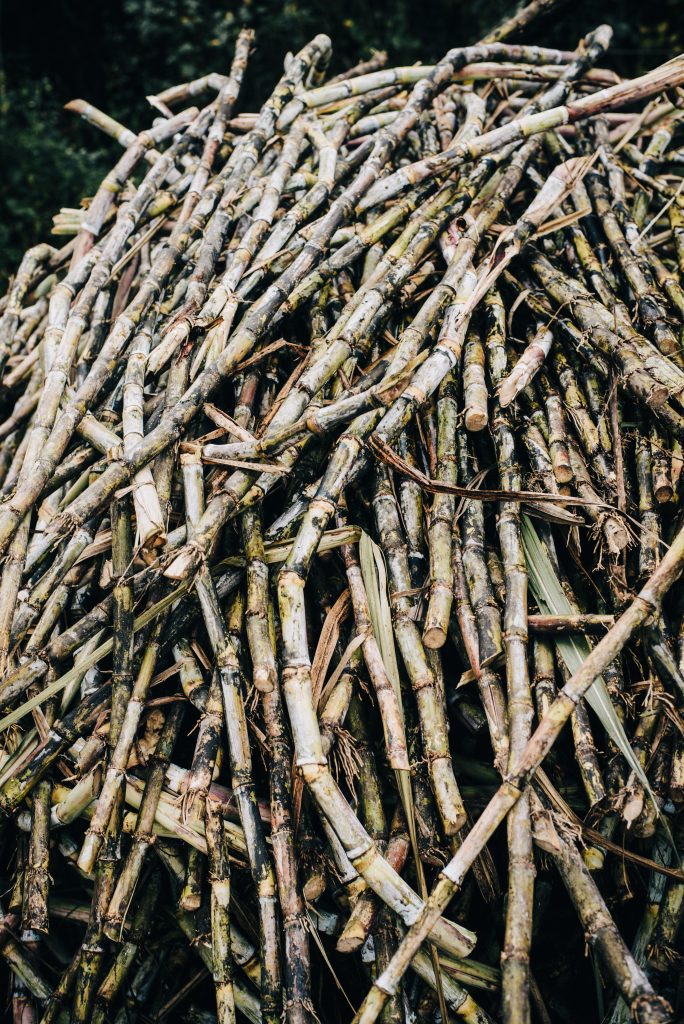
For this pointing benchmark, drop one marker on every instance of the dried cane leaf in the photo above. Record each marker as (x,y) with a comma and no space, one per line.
(375,581)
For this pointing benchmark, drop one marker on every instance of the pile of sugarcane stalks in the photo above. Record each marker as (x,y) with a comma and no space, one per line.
(341,475)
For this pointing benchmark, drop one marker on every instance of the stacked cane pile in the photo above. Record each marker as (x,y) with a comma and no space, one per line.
(341,476)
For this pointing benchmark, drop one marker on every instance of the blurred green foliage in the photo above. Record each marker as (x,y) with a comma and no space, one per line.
(114,53)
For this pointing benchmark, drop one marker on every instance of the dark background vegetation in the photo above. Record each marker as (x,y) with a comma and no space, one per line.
(115,52)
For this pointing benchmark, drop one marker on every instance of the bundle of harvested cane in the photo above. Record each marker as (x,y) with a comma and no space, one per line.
(341,470)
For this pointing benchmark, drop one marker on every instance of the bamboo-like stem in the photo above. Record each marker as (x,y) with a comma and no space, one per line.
(191,894)
(651,308)
(191,678)
(92,953)
(115,775)
(261,312)
(116,178)
(29,268)
(649,536)
(527,366)
(388,703)
(599,926)
(143,838)
(441,518)
(219,878)
(411,504)
(475,396)
(240,757)
(429,699)
(515,979)
(520,20)
(541,120)
(645,371)
(365,910)
(297,688)
(225,104)
(451,878)
(9,589)
(544,675)
(148,514)
(122,617)
(116,977)
(267,311)
(259,617)
(37,878)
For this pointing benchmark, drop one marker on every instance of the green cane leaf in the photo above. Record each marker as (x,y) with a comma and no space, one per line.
(573,647)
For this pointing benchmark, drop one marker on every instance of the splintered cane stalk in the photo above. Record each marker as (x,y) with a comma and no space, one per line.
(647,603)
(526,367)
(149,518)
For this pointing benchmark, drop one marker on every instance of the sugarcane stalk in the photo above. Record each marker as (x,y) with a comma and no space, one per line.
(225,104)
(451,878)
(518,928)
(388,703)
(441,517)
(259,615)
(600,928)
(240,755)
(135,861)
(219,878)
(116,977)
(148,513)
(429,699)
(115,774)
